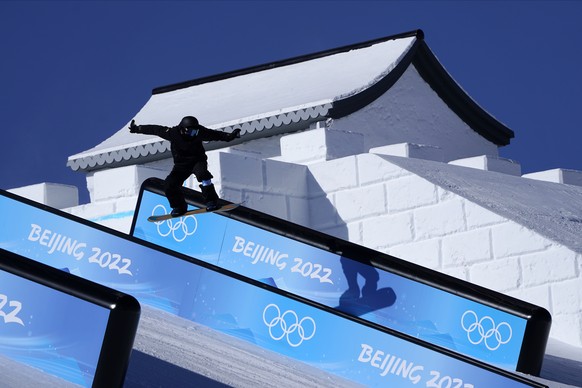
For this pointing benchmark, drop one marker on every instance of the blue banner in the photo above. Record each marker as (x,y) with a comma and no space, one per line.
(152,277)
(330,342)
(50,330)
(240,308)
(378,296)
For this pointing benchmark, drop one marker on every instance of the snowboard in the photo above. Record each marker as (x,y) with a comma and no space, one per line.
(164,217)
(384,297)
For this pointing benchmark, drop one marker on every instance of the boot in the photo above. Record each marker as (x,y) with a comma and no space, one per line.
(210,197)
(178,211)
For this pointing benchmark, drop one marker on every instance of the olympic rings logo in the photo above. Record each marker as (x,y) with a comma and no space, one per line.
(179,228)
(288,325)
(484,330)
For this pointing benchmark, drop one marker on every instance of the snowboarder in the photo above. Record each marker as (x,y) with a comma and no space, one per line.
(189,158)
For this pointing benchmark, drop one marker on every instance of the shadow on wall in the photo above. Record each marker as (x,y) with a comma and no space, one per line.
(362,295)
(323,215)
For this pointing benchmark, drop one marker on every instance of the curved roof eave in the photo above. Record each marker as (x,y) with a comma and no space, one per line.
(155,149)
(350,104)
(119,151)
(418,55)
(431,70)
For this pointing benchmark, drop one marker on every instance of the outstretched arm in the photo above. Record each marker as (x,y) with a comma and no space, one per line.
(207,134)
(157,130)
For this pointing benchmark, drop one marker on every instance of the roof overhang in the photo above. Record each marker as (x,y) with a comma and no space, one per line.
(431,70)
(274,98)
(153,148)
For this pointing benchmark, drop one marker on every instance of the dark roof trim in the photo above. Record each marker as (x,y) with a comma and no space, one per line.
(419,55)
(285,62)
(358,101)
(431,70)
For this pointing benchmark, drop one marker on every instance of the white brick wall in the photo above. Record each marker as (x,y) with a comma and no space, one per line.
(386,231)
(566,298)
(274,187)
(558,175)
(501,275)
(326,179)
(477,216)
(51,194)
(537,295)
(408,150)
(274,204)
(285,178)
(237,171)
(93,210)
(320,144)
(116,213)
(322,181)
(113,194)
(372,169)
(121,182)
(466,248)
(510,239)
(439,220)
(436,228)
(549,265)
(370,201)
(410,192)
(322,212)
(490,163)
(361,202)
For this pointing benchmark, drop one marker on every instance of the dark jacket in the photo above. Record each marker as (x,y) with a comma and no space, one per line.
(186,150)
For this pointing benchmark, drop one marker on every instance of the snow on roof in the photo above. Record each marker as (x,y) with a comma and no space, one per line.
(289,95)
(262,97)
(550,209)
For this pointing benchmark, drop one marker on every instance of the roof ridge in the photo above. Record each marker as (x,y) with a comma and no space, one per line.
(419,34)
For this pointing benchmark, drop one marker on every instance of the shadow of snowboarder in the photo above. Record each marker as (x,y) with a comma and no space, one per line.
(359,302)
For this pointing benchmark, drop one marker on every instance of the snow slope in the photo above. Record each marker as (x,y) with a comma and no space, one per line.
(531,203)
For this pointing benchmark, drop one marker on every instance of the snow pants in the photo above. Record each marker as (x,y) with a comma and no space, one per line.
(176,178)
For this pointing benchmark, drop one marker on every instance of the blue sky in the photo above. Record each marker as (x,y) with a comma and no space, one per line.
(73,72)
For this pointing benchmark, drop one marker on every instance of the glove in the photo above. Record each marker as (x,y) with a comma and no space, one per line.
(234,134)
(133,128)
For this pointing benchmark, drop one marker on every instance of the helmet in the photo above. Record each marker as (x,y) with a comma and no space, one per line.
(189,122)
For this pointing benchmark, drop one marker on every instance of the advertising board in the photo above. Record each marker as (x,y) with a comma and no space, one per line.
(253,310)
(481,326)
(64,325)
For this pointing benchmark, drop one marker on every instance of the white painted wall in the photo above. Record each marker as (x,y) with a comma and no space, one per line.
(334,178)
(53,194)
(113,193)
(558,175)
(335,187)
(391,210)
(411,112)
(370,201)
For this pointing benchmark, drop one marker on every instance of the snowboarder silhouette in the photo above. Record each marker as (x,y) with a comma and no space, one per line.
(370,297)
(189,158)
